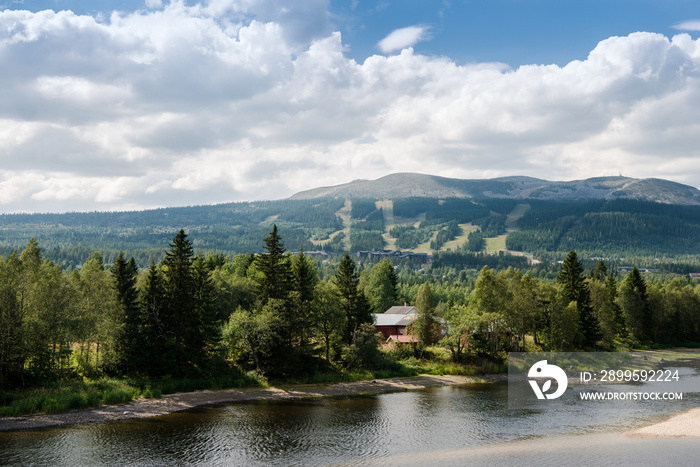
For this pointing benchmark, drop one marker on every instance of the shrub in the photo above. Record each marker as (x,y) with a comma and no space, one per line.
(51,405)
(118,396)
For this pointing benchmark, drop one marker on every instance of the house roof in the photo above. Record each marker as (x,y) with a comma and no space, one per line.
(401,310)
(393,319)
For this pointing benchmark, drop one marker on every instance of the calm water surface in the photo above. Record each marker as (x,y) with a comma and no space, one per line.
(466,425)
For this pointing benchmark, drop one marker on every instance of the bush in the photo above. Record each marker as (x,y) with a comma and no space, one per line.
(51,405)
(365,351)
(152,394)
(118,396)
(258,377)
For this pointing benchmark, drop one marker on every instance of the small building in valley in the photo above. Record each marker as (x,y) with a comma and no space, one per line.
(395,320)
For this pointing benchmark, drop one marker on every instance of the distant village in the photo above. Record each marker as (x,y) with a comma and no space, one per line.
(377,254)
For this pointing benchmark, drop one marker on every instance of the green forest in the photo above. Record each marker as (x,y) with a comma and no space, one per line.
(243,319)
(617,230)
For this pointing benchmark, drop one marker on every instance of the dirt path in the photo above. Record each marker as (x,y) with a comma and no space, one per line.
(171,403)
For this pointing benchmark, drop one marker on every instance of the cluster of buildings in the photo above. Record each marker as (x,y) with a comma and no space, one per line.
(376,254)
(629,269)
(381,254)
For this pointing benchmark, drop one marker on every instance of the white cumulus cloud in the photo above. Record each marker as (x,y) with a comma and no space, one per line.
(231,100)
(402,38)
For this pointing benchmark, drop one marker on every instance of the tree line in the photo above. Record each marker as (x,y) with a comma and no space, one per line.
(186,315)
(282,314)
(578,311)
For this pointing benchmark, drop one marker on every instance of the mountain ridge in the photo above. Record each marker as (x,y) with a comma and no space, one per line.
(407,185)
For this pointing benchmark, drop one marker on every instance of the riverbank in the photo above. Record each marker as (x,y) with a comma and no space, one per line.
(143,408)
(685,425)
(671,442)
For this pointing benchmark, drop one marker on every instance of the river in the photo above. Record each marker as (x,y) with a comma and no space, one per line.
(458,425)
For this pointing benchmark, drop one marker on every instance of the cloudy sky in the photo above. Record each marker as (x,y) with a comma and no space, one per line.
(129,104)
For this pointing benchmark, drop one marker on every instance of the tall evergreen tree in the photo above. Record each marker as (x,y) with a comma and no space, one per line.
(635,306)
(305,278)
(205,294)
(617,316)
(575,289)
(275,284)
(353,301)
(124,275)
(274,279)
(156,355)
(599,271)
(182,321)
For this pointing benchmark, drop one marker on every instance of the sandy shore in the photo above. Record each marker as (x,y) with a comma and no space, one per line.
(171,403)
(685,425)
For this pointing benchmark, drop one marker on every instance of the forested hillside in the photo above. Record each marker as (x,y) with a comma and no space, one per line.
(609,228)
(69,239)
(542,229)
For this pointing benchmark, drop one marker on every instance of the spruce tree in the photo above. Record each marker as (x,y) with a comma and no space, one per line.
(156,353)
(618,317)
(599,271)
(353,301)
(305,278)
(205,293)
(182,322)
(637,312)
(575,289)
(274,280)
(124,275)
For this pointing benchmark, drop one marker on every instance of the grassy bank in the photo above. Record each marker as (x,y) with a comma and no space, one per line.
(438,361)
(71,395)
(82,394)
(86,393)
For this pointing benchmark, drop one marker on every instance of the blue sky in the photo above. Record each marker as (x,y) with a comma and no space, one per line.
(134,104)
(516,32)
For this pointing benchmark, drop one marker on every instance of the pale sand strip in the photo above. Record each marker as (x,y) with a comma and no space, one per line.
(143,408)
(685,425)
